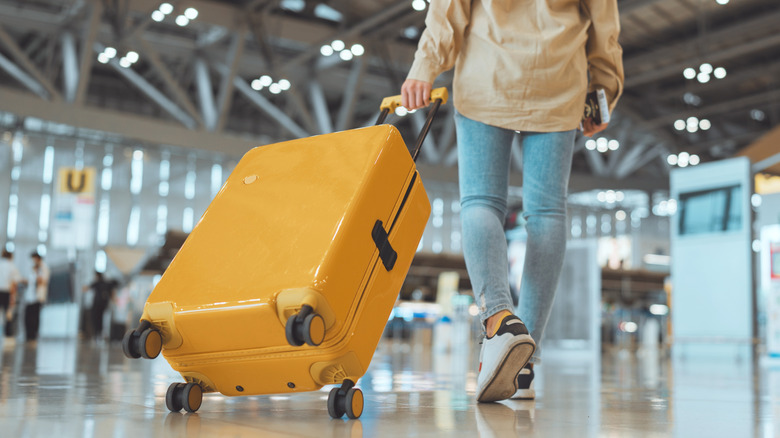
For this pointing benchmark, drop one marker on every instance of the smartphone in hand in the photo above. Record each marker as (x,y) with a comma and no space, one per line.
(596,107)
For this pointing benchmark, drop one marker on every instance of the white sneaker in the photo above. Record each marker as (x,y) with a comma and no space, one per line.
(502,357)
(525,385)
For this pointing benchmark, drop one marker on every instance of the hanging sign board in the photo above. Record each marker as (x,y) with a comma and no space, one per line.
(74,208)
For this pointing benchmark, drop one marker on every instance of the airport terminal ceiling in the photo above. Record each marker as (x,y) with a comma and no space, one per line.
(702,77)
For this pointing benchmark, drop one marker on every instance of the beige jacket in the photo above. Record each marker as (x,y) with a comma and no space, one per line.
(523,64)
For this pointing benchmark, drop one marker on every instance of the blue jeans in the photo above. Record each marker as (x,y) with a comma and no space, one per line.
(484,153)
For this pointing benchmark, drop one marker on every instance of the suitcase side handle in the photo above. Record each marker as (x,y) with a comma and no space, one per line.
(439,97)
(393,102)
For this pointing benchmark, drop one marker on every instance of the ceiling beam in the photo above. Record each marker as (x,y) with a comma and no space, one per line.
(150,55)
(131,126)
(629,6)
(149,90)
(70,66)
(226,89)
(351,94)
(28,65)
(714,56)
(87,57)
(682,50)
(717,108)
(364,25)
(267,106)
(21,76)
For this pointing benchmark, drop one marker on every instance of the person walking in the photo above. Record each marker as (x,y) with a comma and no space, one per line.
(102,295)
(521,68)
(37,293)
(9,282)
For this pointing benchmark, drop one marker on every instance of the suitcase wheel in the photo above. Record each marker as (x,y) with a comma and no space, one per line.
(144,341)
(305,327)
(346,399)
(187,396)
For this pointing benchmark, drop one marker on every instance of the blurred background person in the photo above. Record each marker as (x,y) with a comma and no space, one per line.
(9,282)
(36,295)
(102,291)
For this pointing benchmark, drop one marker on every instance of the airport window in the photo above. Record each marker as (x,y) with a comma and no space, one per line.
(711,211)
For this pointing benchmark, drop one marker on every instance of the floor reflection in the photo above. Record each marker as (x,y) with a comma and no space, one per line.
(69,388)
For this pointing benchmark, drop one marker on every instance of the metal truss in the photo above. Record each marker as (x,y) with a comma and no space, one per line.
(192,86)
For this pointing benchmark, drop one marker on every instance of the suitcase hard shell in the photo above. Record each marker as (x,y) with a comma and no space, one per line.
(293,224)
(288,280)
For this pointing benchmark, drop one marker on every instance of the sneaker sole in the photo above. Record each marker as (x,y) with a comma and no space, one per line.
(524,394)
(503,384)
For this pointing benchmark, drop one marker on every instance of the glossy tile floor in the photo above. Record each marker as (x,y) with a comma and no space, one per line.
(61,388)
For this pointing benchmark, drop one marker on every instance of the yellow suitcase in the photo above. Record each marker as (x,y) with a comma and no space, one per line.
(287,281)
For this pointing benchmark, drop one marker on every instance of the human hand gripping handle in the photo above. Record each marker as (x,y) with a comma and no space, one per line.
(415,94)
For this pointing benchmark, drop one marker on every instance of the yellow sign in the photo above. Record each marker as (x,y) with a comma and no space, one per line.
(77,181)
(767,184)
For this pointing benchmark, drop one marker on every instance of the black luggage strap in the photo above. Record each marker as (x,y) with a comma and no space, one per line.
(382,241)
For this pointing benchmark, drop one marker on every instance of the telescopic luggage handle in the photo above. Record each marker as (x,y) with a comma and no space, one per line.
(439,97)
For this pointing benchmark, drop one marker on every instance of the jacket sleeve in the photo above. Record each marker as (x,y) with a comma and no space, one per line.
(605,56)
(442,39)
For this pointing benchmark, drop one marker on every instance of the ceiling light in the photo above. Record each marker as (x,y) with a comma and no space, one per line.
(266,80)
(158,16)
(590,144)
(703,77)
(720,72)
(284,84)
(611,197)
(689,73)
(132,56)
(124,62)
(620,196)
(182,21)
(684,156)
(613,145)
(705,124)
(256,85)
(326,50)
(620,215)
(411,32)
(103,58)
(694,160)
(679,125)
(166,8)
(418,5)
(338,45)
(706,68)
(602,147)
(757,115)
(358,49)
(693,128)
(346,55)
(275,89)
(110,52)
(692,99)
(693,121)
(191,13)
(658,309)
(602,197)
(602,141)
(722,2)
(672,160)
